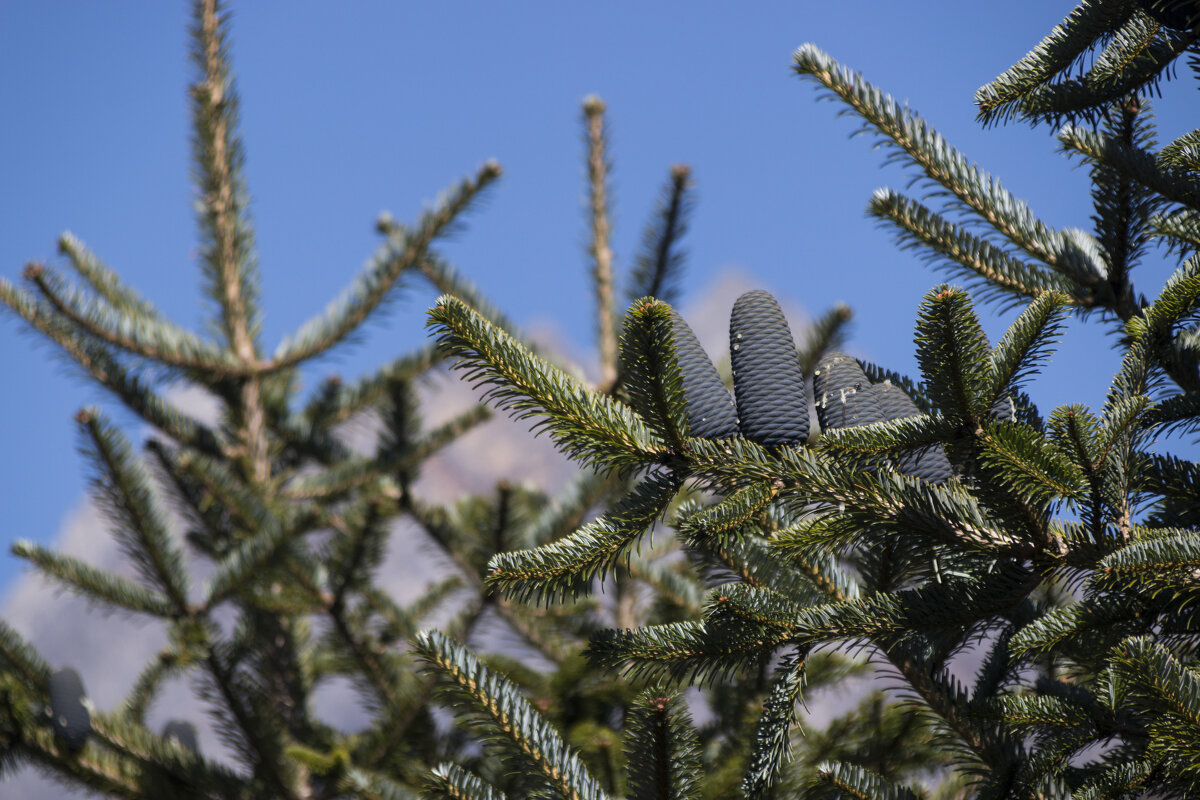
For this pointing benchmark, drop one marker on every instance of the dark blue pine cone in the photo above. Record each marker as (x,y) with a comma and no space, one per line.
(845,397)
(841,392)
(772,406)
(710,409)
(182,732)
(930,463)
(68,712)
(1004,410)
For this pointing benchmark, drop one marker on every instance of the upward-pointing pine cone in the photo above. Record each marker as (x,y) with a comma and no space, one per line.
(929,464)
(710,409)
(68,711)
(767,379)
(1004,409)
(842,393)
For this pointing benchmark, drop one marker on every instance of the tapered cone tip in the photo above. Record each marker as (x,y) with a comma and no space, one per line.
(837,381)
(767,379)
(182,732)
(1004,410)
(893,402)
(68,714)
(710,409)
(929,464)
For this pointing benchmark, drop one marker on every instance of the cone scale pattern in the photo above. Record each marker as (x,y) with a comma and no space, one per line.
(770,404)
(710,409)
(768,384)
(842,393)
(929,464)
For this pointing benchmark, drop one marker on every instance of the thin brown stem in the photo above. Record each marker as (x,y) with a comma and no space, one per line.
(601,250)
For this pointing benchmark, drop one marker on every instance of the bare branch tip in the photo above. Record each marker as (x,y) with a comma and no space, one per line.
(491,169)
(593,105)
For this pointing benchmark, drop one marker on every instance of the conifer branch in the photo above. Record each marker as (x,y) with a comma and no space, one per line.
(852,780)
(153,339)
(502,711)
(337,402)
(1179,229)
(102,365)
(1119,780)
(95,584)
(953,353)
(722,523)
(995,272)
(975,189)
(217,480)
(566,510)
(1000,100)
(1130,64)
(895,436)
(170,661)
(587,425)
(98,770)
(243,561)
(818,568)
(1133,163)
(452,782)
(566,567)
(1025,345)
(141,525)
(1183,153)
(448,280)
(103,280)
(374,786)
(395,257)
(1123,206)
(162,763)
(1021,459)
(262,747)
(651,374)
(600,248)
(353,473)
(228,253)
(772,733)
(662,750)
(228,239)
(21,659)
(1177,553)
(669,584)
(688,652)
(659,265)
(435,523)
(1174,413)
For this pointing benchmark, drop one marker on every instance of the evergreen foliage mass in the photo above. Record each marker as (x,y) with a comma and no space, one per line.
(1010,592)
(1025,583)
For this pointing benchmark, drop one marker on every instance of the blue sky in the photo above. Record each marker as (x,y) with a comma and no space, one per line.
(351,109)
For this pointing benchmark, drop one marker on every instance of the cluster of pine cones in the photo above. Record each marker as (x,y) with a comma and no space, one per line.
(770,403)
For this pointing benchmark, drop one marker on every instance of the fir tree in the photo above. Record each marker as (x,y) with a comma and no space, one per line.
(916,521)
(294,525)
(284,523)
